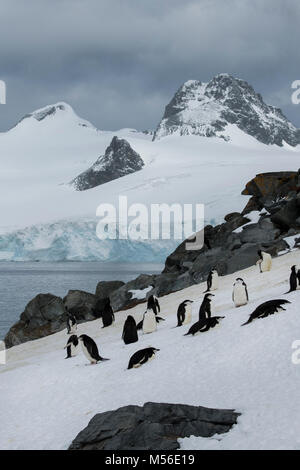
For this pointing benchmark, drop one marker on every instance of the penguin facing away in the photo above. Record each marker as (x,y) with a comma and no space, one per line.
(130,334)
(240,293)
(72,346)
(153,304)
(141,357)
(267,308)
(90,349)
(264,262)
(149,322)
(184,313)
(71,324)
(293,280)
(107,314)
(205,308)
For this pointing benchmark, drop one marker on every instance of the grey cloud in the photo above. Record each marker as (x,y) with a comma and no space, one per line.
(118,62)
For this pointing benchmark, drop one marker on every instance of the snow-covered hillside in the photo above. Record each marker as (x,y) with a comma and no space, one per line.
(247,368)
(50,147)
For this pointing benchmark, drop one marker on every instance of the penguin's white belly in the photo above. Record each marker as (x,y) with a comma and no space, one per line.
(74,350)
(87,354)
(214,282)
(188,316)
(239,296)
(149,323)
(73,329)
(266,263)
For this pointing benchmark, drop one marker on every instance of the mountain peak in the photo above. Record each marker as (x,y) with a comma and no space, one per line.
(61,110)
(118,160)
(207,109)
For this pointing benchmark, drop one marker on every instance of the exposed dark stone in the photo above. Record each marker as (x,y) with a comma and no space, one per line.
(105,288)
(155,426)
(119,160)
(43,316)
(122,297)
(80,304)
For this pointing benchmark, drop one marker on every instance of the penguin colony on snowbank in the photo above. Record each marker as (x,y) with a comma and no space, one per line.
(151,320)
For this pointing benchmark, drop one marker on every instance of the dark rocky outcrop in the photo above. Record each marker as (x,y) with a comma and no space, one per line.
(105,288)
(80,304)
(155,426)
(119,160)
(206,109)
(43,316)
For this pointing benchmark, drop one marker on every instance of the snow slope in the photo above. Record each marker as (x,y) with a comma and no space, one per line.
(38,159)
(46,400)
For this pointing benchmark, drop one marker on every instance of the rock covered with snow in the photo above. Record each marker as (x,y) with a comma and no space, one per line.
(154,426)
(208,109)
(119,160)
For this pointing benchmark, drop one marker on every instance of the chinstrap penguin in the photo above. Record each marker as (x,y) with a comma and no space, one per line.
(212,280)
(184,313)
(72,346)
(293,280)
(267,308)
(141,357)
(240,293)
(90,349)
(71,323)
(130,334)
(264,261)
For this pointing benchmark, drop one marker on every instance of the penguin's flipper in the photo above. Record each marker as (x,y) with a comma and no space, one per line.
(103,359)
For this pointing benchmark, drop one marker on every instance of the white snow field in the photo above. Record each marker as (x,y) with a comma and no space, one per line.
(46,400)
(39,158)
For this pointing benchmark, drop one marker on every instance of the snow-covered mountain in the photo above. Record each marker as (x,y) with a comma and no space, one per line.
(119,160)
(207,109)
(44,217)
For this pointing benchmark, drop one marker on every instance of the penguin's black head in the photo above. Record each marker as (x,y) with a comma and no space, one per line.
(293,268)
(82,337)
(208,296)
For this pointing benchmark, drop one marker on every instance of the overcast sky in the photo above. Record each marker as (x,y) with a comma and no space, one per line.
(118,62)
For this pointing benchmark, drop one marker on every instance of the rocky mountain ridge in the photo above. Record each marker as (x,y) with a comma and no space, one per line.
(208,109)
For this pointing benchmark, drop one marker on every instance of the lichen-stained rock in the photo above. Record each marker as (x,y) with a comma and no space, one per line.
(154,426)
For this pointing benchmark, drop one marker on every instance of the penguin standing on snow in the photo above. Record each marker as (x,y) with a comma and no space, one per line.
(240,293)
(184,313)
(153,304)
(205,307)
(293,280)
(107,314)
(90,349)
(267,308)
(212,280)
(264,261)
(72,346)
(130,334)
(141,357)
(71,323)
(298,276)
(149,322)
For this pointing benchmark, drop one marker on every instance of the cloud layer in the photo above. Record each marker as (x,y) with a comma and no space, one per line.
(118,62)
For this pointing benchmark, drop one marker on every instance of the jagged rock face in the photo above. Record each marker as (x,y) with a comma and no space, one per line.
(154,426)
(206,109)
(119,160)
